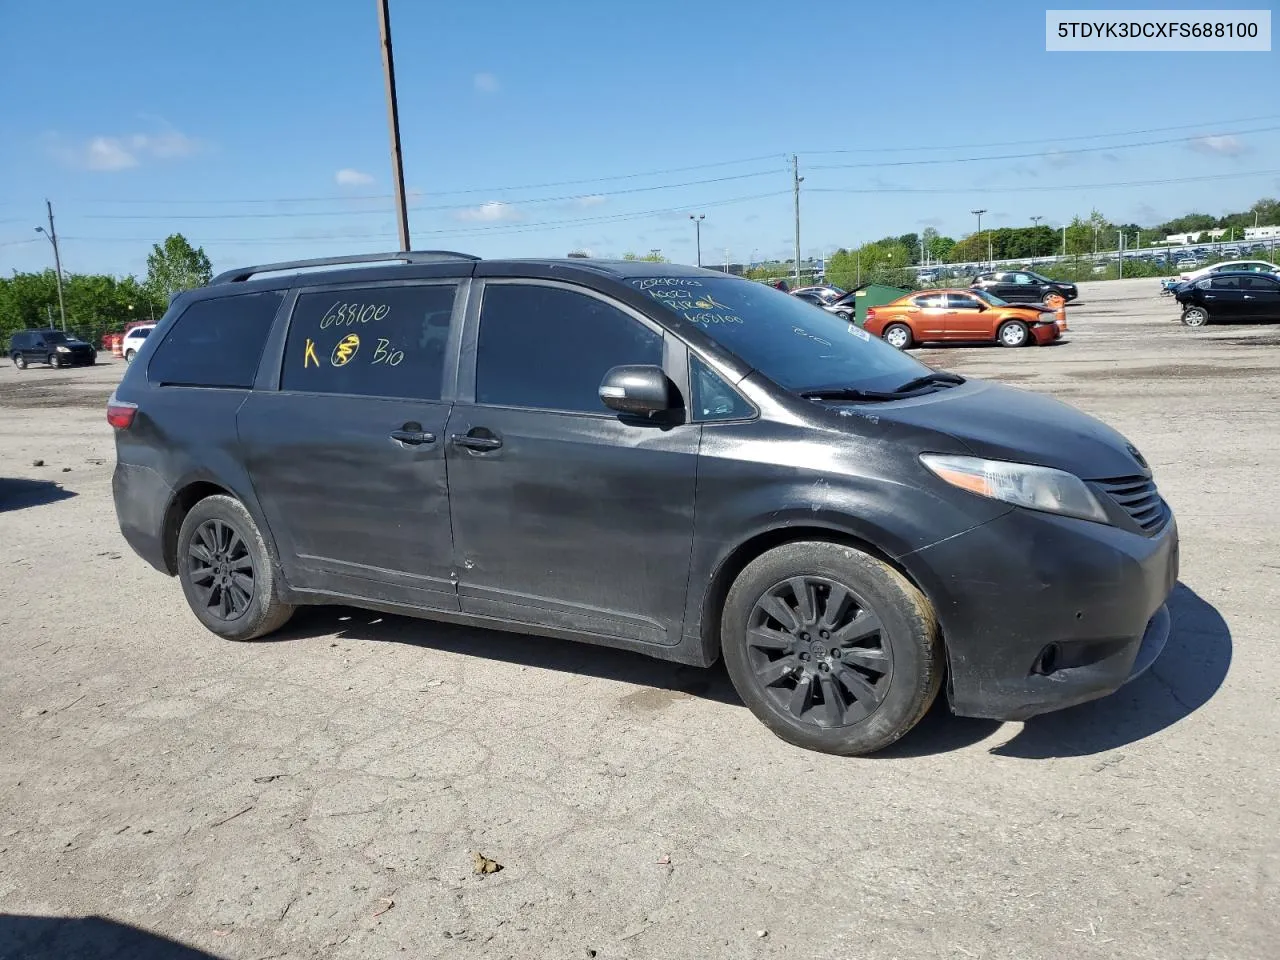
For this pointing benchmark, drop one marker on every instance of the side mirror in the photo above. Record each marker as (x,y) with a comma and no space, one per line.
(638,389)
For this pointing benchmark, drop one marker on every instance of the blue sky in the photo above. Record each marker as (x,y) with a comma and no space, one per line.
(258,129)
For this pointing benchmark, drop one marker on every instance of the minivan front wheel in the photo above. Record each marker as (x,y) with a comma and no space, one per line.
(20,361)
(830,648)
(227,573)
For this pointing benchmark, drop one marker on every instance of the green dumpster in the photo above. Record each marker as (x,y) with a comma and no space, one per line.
(873,295)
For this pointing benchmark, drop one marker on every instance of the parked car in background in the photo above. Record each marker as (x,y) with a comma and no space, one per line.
(964,315)
(1186,264)
(836,306)
(134,339)
(53,347)
(647,456)
(1231,266)
(1024,286)
(1241,296)
(824,292)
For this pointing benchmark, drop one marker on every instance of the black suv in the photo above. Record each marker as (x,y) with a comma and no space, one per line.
(53,347)
(1024,286)
(646,456)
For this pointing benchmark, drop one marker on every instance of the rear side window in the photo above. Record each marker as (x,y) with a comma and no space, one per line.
(370,341)
(549,348)
(216,342)
(1226,283)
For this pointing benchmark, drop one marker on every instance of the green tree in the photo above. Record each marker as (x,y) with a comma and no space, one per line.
(653,256)
(175,266)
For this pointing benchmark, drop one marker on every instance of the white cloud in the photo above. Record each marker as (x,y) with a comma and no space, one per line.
(486,83)
(1223,146)
(347,177)
(110,153)
(591,201)
(492,212)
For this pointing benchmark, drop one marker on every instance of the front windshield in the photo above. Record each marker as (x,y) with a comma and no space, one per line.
(991,298)
(783,337)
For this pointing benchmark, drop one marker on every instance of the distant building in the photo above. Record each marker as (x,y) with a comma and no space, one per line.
(1262,233)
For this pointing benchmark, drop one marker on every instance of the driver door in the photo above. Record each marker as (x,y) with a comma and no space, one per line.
(966,318)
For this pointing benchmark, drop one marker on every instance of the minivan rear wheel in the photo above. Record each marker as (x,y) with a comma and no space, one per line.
(20,361)
(227,573)
(832,649)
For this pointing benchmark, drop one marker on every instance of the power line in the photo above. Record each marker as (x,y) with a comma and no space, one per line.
(496,229)
(1019,143)
(470,191)
(438,207)
(1023,156)
(1042,187)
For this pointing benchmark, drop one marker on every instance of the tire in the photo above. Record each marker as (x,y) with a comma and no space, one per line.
(221,530)
(1195,316)
(807,691)
(1013,333)
(1050,297)
(54,362)
(20,361)
(128,357)
(898,335)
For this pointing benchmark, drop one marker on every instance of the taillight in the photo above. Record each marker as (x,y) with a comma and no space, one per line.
(871,314)
(120,414)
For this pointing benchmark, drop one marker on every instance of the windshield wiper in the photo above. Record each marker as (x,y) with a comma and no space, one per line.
(937,376)
(847,393)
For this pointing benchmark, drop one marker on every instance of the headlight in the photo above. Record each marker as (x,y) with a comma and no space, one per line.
(64,349)
(1022,484)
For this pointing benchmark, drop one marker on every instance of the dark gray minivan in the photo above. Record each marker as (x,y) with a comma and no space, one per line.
(648,456)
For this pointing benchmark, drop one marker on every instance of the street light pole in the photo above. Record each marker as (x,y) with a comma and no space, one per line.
(52,234)
(1035,221)
(393,119)
(697,226)
(978,214)
(796,181)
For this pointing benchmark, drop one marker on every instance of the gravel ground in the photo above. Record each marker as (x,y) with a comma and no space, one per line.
(167,794)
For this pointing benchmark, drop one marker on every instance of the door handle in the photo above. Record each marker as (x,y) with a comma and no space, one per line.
(467,441)
(1248,297)
(413,437)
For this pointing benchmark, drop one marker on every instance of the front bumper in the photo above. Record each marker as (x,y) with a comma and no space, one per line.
(1041,612)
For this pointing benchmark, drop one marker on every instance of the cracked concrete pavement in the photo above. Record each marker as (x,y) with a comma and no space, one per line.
(165,793)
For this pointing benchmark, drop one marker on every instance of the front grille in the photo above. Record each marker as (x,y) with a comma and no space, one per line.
(1139,498)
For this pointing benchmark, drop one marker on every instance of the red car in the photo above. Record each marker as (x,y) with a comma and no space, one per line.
(972,316)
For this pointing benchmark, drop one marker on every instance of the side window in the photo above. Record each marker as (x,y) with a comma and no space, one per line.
(370,341)
(1021,278)
(1258,284)
(958,301)
(713,399)
(929,301)
(216,342)
(1225,283)
(549,348)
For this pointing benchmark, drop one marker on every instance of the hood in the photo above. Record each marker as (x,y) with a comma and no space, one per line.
(1004,423)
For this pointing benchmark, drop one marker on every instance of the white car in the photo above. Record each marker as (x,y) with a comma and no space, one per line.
(132,341)
(1251,266)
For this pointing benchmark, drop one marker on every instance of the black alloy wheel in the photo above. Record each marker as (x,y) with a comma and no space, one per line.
(818,652)
(221,570)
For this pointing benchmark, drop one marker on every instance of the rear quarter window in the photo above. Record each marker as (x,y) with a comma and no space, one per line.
(216,342)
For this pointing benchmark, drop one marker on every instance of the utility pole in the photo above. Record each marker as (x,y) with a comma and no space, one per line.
(697,226)
(1035,221)
(1064,241)
(52,234)
(393,118)
(796,181)
(978,214)
(1120,254)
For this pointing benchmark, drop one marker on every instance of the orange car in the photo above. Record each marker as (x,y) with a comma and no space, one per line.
(968,315)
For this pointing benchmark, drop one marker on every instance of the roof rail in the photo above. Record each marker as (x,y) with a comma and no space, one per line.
(241,274)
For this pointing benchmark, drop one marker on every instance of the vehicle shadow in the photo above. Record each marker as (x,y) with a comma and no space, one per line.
(18,494)
(86,938)
(1185,677)
(547,653)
